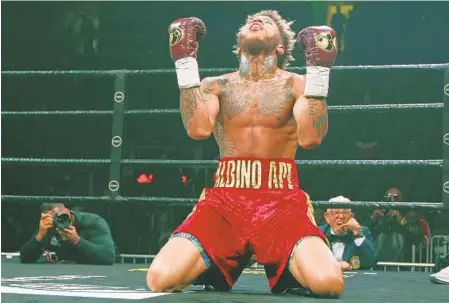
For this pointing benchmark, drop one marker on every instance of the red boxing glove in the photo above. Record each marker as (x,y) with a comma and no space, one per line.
(184,36)
(320,46)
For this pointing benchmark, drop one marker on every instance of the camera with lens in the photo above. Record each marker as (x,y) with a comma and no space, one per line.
(390,198)
(387,198)
(62,220)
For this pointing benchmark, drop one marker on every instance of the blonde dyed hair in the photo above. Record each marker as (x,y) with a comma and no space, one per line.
(286,32)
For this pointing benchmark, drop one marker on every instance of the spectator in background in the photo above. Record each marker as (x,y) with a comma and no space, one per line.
(78,237)
(351,243)
(164,229)
(338,23)
(82,35)
(395,233)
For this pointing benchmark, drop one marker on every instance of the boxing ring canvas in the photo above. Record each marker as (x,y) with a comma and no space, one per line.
(126,282)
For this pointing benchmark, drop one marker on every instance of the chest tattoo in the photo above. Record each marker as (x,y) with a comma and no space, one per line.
(269,97)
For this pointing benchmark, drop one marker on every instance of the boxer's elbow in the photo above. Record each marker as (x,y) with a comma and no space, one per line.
(310,143)
(311,138)
(311,135)
(199,133)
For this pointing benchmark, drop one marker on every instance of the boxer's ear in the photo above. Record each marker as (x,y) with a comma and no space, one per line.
(280,50)
(238,51)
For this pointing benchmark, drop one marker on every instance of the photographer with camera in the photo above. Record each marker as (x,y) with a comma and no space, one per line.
(79,237)
(395,232)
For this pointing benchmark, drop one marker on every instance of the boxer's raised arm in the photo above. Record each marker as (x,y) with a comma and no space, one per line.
(199,107)
(199,99)
(310,110)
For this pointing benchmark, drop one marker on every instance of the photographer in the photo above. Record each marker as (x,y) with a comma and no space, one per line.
(394,232)
(79,237)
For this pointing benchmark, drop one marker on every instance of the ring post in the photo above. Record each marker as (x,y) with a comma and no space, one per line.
(117,135)
(446,140)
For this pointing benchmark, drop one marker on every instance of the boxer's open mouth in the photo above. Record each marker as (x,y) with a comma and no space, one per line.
(256,26)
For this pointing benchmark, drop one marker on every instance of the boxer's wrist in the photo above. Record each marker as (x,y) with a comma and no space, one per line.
(187,72)
(317,81)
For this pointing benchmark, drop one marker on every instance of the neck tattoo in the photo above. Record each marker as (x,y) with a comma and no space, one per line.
(255,68)
(244,66)
(269,64)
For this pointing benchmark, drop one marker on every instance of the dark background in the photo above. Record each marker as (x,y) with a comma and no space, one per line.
(133,35)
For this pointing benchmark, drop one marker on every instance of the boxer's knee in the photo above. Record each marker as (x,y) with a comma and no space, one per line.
(163,279)
(325,282)
(314,266)
(328,283)
(178,263)
(158,280)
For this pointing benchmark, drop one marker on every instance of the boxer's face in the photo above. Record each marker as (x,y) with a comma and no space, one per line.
(336,218)
(260,35)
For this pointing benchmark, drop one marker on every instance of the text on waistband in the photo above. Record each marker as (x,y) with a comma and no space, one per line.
(248,174)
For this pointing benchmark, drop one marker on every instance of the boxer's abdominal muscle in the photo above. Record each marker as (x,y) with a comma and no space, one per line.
(256,119)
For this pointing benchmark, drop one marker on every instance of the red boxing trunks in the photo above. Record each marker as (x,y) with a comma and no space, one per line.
(256,207)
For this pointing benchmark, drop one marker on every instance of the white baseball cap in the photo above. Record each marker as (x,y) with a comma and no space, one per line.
(340,199)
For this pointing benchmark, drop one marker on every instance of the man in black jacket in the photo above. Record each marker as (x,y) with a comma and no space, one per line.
(79,237)
(394,231)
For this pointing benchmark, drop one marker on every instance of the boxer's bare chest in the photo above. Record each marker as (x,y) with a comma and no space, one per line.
(265,101)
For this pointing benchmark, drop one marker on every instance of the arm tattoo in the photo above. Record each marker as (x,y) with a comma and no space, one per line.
(189,104)
(318,113)
(192,97)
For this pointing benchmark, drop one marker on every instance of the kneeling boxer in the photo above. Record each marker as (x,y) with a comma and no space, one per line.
(259,116)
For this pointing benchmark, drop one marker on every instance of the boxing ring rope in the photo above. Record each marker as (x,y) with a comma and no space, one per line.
(193,201)
(332,109)
(119,111)
(213,163)
(441,66)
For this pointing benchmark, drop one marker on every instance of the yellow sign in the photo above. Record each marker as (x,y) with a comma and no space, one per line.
(138,269)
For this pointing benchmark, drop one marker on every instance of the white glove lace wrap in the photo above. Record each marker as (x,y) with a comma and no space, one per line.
(187,72)
(317,81)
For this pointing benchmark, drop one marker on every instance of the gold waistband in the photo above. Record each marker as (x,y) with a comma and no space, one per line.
(256,174)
